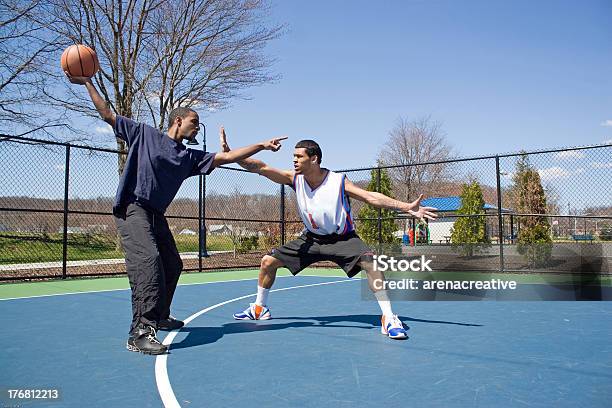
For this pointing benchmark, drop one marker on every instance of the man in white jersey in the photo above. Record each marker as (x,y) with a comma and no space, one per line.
(323,203)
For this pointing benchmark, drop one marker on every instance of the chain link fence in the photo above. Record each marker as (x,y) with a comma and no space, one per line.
(538,211)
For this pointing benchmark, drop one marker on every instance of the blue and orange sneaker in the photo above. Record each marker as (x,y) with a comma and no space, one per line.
(393,328)
(254,312)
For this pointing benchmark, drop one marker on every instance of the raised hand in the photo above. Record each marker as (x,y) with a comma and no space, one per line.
(223,140)
(423,212)
(274,144)
(77,80)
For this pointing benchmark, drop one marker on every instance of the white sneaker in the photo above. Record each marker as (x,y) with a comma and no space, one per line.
(393,328)
(254,312)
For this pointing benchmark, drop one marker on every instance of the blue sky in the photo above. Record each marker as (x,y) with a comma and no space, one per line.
(500,76)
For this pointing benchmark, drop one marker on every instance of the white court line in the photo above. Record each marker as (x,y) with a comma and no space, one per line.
(114,290)
(180,284)
(161,369)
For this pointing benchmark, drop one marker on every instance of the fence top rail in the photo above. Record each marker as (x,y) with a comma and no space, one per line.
(33,141)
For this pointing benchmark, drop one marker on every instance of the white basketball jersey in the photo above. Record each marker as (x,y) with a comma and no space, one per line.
(326,209)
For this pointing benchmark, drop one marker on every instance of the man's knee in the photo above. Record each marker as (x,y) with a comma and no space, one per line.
(269,263)
(366,262)
(149,258)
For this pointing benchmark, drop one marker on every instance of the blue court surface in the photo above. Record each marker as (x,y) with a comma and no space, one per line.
(323,348)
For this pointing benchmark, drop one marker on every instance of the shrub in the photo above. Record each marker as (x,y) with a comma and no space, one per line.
(469,234)
(605,234)
(246,244)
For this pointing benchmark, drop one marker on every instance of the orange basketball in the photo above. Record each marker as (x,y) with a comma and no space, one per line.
(80,61)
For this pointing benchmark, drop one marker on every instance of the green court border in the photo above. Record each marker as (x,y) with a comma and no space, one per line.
(68,286)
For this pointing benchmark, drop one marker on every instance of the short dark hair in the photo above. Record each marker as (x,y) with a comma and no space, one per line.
(179,112)
(312,149)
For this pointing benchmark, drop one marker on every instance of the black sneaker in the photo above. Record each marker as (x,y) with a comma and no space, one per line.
(143,340)
(170,324)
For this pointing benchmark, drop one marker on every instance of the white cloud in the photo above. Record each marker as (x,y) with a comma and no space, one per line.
(601,165)
(60,167)
(214,107)
(553,173)
(609,141)
(606,123)
(105,129)
(570,154)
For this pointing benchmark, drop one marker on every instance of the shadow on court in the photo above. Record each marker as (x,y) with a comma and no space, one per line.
(198,336)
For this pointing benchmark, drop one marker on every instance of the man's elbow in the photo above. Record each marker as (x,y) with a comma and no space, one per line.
(222,158)
(374,202)
(370,199)
(108,117)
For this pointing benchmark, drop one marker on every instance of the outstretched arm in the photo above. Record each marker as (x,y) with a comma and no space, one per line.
(242,153)
(257,166)
(382,201)
(105,113)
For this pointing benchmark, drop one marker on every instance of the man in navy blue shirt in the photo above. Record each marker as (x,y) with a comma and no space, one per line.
(156,166)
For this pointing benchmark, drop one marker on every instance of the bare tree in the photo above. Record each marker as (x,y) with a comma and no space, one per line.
(156,55)
(417,141)
(26,46)
(237,203)
(553,199)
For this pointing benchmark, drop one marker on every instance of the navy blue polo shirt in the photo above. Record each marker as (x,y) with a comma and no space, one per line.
(156,166)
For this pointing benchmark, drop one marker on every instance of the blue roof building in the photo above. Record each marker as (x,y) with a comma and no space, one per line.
(440,230)
(452,204)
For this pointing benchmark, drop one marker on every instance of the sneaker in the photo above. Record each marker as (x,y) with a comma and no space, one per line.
(170,324)
(393,328)
(143,340)
(254,312)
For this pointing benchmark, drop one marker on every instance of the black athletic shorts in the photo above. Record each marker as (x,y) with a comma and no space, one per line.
(345,250)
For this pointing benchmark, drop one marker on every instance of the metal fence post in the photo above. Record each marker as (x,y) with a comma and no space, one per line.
(200,222)
(282,214)
(202,253)
(500,220)
(378,187)
(65,236)
(203,250)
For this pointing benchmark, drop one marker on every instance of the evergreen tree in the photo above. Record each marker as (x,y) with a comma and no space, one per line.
(368,229)
(605,233)
(469,234)
(534,241)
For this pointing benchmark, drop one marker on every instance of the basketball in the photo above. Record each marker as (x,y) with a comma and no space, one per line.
(80,61)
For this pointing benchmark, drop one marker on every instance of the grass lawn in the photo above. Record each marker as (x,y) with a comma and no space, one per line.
(27,248)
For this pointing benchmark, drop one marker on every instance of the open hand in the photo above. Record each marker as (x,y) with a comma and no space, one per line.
(223,140)
(274,144)
(423,212)
(77,80)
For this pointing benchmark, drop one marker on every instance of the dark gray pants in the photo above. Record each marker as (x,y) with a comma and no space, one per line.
(152,261)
